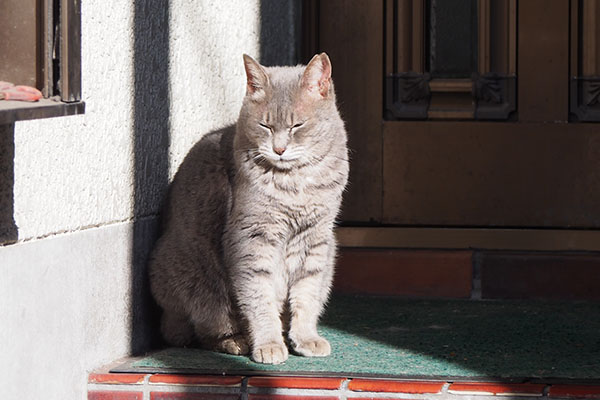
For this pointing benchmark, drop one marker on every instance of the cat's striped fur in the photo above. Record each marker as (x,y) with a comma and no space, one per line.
(247,253)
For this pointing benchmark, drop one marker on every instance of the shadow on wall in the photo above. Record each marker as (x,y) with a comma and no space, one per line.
(279,45)
(151,158)
(280,32)
(8,228)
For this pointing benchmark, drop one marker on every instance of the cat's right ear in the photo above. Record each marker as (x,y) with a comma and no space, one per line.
(257,79)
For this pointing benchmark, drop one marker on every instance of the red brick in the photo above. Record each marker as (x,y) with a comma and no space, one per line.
(192,396)
(110,395)
(295,382)
(116,378)
(416,273)
(369,398)
(582,391)
(288,397)
(413,387)
(508,389)
(512,275)
(197,380)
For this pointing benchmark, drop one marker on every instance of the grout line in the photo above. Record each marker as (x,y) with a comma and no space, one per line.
(244,389)
(294,391)
(191,388)
(146,391)
(343,389)
(546,391)
(445,387)
(399,395)
(111,387)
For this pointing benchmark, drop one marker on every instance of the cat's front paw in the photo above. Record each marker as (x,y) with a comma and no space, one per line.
(270,353)
(312,347)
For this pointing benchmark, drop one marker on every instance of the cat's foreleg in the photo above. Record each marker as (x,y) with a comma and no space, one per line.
(260,298)
(307,297)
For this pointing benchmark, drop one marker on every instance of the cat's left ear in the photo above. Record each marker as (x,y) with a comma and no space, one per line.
(317,76)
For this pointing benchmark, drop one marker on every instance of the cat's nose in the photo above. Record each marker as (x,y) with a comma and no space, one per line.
(279,150)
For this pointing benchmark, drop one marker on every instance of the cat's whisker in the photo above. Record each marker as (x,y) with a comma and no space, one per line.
(259,158)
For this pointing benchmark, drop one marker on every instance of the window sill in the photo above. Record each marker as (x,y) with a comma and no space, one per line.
(12,111)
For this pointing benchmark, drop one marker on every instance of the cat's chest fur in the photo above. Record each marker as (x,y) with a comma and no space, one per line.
(292,197)
(300,195)
(290,209)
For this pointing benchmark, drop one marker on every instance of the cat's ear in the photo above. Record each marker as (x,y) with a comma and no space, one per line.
(317,76)
(257,79)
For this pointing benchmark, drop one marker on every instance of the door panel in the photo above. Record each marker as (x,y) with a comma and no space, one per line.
(351,33)
(543,52)
(491,174)
(493,150)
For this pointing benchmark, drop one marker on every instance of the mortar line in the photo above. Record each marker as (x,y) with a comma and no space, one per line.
(146,392)
(244,389)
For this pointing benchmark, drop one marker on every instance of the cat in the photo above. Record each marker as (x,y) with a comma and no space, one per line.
(247,252)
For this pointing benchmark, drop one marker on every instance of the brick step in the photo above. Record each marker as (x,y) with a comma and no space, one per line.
(103,385)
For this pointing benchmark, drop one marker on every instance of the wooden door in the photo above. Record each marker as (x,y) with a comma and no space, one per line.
(506,138)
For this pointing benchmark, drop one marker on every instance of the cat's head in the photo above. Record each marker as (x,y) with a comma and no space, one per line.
(289,117)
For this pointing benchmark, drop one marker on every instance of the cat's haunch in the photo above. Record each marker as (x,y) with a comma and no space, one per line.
(247,250)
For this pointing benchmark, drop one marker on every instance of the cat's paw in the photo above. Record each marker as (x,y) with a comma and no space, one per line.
(312,347)
(270,353)
(237,345)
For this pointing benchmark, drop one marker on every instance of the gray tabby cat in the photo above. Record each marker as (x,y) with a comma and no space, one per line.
(248,251)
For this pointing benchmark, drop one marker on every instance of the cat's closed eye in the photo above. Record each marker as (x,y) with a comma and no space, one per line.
(296,126)
(267,127)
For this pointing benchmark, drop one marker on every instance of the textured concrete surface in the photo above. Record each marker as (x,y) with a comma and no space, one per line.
(65,310)
(80,195)
(75,172)
(203,65)
(208,78)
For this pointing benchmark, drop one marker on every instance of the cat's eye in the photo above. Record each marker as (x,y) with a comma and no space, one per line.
(267,127)
(298,125)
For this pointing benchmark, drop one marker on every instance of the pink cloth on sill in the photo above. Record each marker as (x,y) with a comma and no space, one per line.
(9,91)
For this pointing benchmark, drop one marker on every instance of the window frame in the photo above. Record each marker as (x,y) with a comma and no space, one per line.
(411,92)
(58,64)
(585,61)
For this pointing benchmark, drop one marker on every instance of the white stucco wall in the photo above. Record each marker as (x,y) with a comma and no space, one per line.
(68,283)
(208,74)
(76,172)
(95,150)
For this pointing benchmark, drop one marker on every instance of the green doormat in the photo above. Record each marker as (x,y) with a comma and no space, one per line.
(374,336)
